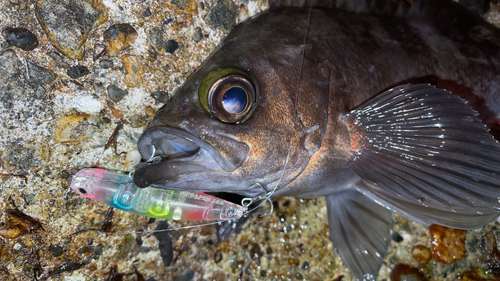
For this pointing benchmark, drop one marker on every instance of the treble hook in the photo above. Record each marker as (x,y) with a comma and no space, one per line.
(246,202)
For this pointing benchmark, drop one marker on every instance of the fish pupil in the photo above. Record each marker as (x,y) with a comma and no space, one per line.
(235,100)
(82,191)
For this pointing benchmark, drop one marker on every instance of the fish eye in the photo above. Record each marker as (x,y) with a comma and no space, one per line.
(82,191)
(229,94)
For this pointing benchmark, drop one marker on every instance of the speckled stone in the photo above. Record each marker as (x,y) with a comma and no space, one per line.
(11,83)
(40,75)
(106,64)
(21,38)
(134,71)
(77,71)
(222,14)
(160,96)
(198,35)
(156,39)
(68,23)
(25,157)
(118,37)
(115,93)
(171,46)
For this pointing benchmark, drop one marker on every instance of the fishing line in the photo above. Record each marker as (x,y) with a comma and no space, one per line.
(267,195)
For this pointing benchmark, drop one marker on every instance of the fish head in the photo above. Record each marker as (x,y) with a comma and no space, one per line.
(235,121)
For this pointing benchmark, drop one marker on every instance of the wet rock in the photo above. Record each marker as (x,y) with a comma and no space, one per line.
(188,7)
(156,39)
(165,244)
(186,276)
(40,75)
(21,38)
(115,93)
(403,272)
(421,253)
(160,96)
(147,12)
(106,64)
(180,4)
(447,244)
(118,37)
(222,15)
(134,69)
(137,121)
(68,23)
(77,71)
(99,51)
(58,60)
(73,128)
(197,35)
(171,46)
(24,157)
(56,250)
(11,82)
(99,87)
(396,237)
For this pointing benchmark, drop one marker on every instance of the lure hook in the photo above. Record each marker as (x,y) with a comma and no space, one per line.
(153,158)
(265,196)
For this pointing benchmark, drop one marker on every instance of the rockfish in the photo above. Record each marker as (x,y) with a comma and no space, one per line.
(335,101)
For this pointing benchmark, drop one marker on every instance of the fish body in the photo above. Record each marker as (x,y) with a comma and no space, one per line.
(290,102)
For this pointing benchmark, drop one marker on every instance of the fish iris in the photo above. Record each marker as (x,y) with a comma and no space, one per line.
(234,100)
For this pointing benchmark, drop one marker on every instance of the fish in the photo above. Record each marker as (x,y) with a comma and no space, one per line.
(379,106)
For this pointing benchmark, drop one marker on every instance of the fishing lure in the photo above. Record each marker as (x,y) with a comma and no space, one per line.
(119,191)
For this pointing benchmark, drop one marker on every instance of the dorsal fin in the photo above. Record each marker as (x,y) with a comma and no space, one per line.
(445,13)
(372,7)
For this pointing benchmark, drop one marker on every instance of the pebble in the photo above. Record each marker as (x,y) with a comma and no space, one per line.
(68,23)
(197,35)
(171,46)
(156,39)
(118,37)
(40,75)
(403,272)
(147,12)
(134,69)
(20,37)
(59,61)
(421,253)
(99,51)
(222,15)
(106,64)
(115,93)
(137,121)
(77,71)
(56,250)
(186,276)
(73,128)
(11,84)
(447,244)
(160,96)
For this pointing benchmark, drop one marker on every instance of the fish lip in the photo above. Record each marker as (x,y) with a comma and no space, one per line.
(153,134)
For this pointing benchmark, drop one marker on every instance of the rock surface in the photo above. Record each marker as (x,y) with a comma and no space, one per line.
(68,23)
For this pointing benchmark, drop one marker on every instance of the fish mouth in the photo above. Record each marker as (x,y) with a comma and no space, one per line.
(173,153)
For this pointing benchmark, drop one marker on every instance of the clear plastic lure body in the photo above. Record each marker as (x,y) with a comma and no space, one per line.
(119,191)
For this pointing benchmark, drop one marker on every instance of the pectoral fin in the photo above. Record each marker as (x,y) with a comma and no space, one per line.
(427,146)
(360,230)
